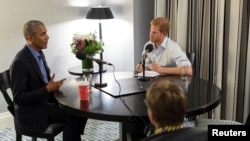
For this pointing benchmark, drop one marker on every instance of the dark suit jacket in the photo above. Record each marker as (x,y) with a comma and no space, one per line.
(30,95)
(185,134)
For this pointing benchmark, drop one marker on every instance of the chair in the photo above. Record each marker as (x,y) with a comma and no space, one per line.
(191,57)
(53,129)
(206,122)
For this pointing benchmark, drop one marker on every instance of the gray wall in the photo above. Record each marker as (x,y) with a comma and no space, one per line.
(143,14)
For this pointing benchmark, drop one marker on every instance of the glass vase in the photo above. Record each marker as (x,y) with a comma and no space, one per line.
(87,65)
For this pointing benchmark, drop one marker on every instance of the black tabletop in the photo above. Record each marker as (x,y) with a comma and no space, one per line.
(203,96)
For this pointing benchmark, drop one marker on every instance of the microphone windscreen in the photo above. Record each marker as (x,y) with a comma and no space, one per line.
(80,55)
(149,47)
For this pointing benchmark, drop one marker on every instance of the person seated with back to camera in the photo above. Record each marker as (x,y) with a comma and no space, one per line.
(166,56)
(166,106)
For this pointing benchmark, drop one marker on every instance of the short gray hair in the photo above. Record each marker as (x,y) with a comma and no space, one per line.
(30,27)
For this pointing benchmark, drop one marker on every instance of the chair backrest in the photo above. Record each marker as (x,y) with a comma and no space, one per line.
(4,86)
(191,57)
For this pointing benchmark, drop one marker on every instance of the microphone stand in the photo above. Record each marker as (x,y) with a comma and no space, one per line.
(100,84)
(143,78)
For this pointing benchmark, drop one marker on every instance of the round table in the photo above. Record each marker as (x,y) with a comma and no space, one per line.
(105,104)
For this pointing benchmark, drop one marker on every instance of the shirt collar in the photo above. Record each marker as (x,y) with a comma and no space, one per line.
(164,44)
(33,51)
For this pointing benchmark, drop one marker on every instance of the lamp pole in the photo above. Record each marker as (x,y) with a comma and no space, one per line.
(100,84)
(100,36)
(99,13)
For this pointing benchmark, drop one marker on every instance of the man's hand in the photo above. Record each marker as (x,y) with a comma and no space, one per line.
(155,67)
(169,70)
(54,85)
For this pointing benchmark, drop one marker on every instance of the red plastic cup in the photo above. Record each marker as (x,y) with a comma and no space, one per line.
(83,89)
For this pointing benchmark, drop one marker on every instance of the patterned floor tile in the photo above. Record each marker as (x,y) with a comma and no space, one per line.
(95,130)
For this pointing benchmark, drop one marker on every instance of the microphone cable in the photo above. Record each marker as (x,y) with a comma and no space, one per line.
(133,113)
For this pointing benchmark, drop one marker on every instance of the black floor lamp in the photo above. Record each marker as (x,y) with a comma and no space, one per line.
(100,13)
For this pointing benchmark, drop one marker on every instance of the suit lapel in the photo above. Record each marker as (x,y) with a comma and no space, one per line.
(34,63)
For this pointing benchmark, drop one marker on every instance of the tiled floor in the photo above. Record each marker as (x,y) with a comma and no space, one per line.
(96,130)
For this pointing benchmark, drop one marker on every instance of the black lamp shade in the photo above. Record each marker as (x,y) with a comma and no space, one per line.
(99,13)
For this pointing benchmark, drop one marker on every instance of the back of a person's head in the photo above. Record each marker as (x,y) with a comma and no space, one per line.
(167,101)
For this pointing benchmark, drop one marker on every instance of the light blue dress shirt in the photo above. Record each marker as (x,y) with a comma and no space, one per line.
(40,62)
(168,54)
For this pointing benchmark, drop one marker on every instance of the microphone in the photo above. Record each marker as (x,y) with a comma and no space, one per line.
(148,49)
(82,56)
